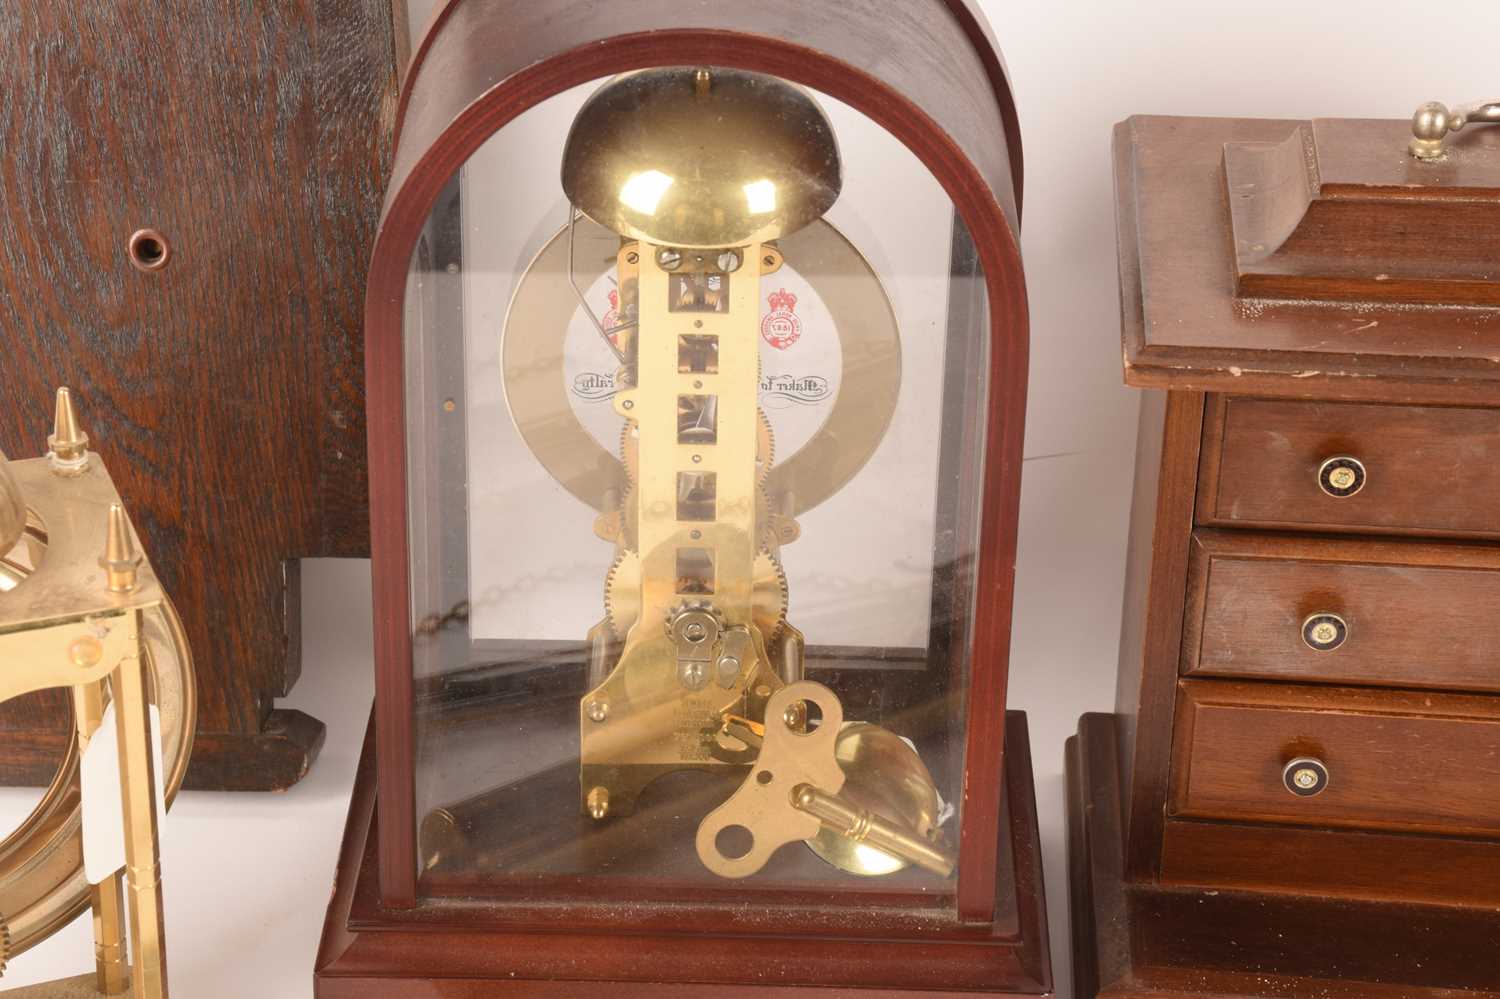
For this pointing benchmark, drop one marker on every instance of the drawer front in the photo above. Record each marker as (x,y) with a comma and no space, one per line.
(1351,467)
(1388,613)
(1392,759)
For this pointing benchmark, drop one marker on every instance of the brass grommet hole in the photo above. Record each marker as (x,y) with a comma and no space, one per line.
(149,250)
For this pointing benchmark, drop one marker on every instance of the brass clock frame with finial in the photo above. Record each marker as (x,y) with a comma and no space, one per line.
(81,609)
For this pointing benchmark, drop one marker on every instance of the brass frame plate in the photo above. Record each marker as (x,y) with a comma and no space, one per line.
(42,883)
(532,361)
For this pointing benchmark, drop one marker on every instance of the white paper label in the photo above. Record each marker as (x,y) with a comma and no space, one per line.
(800,355)
(103,811)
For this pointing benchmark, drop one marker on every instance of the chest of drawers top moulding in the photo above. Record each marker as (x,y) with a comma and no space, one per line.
(1190,320)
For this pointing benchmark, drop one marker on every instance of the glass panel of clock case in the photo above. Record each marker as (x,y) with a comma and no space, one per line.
(695,361)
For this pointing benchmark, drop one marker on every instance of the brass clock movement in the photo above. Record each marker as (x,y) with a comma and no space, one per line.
(696,643)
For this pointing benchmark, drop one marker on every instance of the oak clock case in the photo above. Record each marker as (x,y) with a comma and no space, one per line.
(198,184)
(1297,793)
(684,626)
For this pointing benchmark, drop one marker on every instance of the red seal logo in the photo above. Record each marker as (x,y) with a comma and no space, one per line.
(612,317)
(781,327)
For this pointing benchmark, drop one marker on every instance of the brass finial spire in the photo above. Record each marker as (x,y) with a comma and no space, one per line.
(68,444)
(121,559)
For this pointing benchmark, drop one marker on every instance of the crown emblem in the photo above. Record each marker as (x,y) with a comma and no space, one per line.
(781,327)
(782,301)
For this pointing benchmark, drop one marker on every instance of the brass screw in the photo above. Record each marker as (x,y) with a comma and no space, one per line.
(632,257)
(598,711)
(795,716)
(668,259)
(598,802)
(86,651)
(692,674)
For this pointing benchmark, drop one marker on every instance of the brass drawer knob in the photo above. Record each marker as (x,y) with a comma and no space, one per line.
(1325,632)
(1305,777)
(1341,476)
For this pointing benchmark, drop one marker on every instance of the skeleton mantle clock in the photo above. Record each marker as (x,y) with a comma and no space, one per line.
(696,358)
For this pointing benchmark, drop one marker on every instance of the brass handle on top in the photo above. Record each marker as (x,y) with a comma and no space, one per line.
(1433,121)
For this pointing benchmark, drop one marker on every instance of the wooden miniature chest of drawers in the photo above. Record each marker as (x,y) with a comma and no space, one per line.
(1299,792)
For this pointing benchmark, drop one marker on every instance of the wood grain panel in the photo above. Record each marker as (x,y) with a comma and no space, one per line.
(1418,614)
(1396,760)
(1156,567)
(1340,863)
(1192,944)
(1431,470)
(224,389)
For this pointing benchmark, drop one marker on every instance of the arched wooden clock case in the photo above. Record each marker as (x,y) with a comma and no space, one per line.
(928,74)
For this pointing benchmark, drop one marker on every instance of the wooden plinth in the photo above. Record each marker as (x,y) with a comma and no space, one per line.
(470,949)
(1157,941)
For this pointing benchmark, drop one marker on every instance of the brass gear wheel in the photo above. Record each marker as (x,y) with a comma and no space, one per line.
(622,594)
(765,449)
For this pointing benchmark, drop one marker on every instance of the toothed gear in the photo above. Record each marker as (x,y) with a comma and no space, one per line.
(770,596)
(765,449)
(702,606)
(765,452)
(630,451)
(622,595)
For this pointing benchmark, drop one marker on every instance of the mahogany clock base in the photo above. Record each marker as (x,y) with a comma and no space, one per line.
(458,951)
(1157,941)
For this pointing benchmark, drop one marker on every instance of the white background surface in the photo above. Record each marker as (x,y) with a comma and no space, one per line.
(247,876)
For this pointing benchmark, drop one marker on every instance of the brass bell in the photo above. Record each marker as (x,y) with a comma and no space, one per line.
(699,158)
